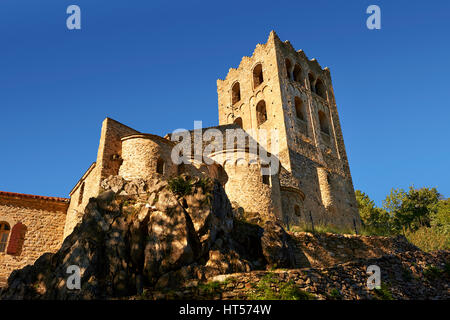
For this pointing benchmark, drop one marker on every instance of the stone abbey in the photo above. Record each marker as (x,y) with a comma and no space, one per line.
(277,88)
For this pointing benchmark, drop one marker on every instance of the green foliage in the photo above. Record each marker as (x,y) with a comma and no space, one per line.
(383,293)
(265,290)
(375,220)
(413,209)
(205,184)
(181,186)
(335,294)
(210,287)
(440,217)
(432,272)
(184,185)
(420,214)
(407,274)
(447,269)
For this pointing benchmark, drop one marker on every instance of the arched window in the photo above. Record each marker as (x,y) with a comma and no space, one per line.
(4,232)
(81,194)
(323,122)
(160,166)
(298,74)
(299,110)
(311,82)
(238,121)
(288,68)
(320,89)
(235,93)
(261,112)
(297,211)
(257,75)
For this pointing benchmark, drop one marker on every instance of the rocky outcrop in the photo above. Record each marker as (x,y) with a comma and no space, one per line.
(411,275)
(168,239)
(151,234)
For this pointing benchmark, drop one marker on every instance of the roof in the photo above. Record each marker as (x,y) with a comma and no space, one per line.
(31,196)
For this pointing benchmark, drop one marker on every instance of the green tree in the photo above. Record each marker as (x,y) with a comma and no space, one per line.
(440,218)
(413,209)
(375,220)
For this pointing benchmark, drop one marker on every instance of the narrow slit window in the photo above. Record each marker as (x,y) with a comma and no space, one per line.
(160,166)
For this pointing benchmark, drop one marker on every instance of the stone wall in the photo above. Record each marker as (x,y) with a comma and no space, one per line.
(141,154)
(43,218)
(246,186)
(108,163)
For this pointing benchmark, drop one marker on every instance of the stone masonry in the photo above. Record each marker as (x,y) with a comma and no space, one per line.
(277,88)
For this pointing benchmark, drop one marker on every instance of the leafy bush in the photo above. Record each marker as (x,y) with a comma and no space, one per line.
(265,290)
(184,185)
(383,293)
(181,186)
(432,272)
(335,294)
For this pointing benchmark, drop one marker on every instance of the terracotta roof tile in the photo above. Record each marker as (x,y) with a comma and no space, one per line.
(31,196)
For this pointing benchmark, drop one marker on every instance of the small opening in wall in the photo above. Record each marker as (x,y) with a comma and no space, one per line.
(265,169)
(288,68)
(323,122)
(266,179)
(311,82)
(298,74)
(236,93)
(261,112)
(320,89)
(4,232)
(80,197)
(299,109)
(160,166)
(297,211)
(238,121)
(257,75)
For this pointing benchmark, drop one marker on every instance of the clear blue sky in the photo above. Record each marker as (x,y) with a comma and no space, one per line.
(153,65)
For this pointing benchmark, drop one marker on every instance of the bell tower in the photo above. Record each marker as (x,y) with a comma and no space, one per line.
(279,88)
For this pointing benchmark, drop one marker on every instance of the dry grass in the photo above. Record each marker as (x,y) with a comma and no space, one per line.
(429,239)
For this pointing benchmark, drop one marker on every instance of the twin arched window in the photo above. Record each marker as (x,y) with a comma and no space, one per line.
(296,74)
(4,232)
